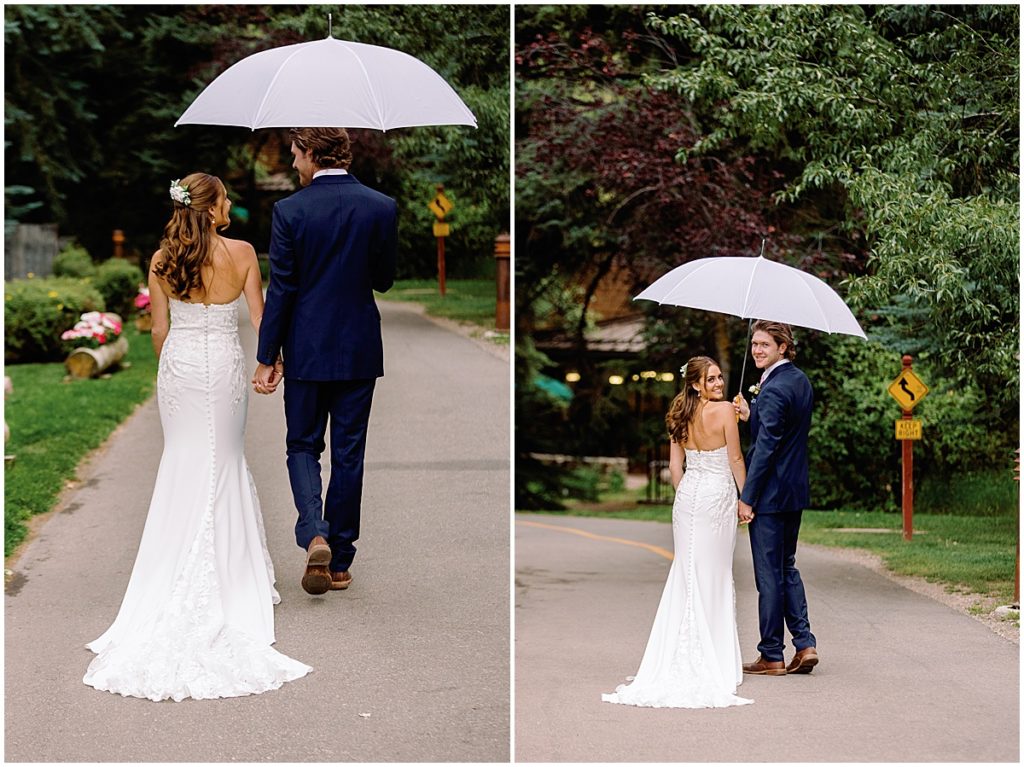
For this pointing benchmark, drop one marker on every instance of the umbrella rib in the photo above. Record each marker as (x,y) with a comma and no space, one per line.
(369,85)
(750,284)
(270,87)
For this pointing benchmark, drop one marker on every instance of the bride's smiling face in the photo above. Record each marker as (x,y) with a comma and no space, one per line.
(713,385)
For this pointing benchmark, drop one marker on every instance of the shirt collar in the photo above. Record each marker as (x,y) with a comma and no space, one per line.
(331,172)
(776,364)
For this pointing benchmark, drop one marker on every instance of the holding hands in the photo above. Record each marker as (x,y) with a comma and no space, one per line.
(745,513)
(267,377)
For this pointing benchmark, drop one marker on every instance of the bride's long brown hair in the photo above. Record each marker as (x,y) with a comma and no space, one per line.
(187,241)
(684,407)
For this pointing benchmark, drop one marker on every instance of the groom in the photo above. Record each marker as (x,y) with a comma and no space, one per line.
(774,495)
(332,244)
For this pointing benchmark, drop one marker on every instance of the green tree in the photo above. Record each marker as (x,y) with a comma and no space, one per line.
(907,117)
(90,115)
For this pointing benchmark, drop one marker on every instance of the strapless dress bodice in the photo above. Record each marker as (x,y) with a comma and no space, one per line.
(211,318)
(713,461)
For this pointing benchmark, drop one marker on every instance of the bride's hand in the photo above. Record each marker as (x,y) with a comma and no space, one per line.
(744,512)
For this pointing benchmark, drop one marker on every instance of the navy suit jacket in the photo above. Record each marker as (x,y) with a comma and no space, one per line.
(780,421)
(332,244)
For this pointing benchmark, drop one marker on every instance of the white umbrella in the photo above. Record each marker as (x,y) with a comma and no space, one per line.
(328,84)
(755,288)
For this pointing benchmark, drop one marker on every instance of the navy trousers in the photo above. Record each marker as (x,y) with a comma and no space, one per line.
(780,591)
(308,406)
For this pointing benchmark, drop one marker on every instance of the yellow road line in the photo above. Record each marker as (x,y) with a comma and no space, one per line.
(575,531)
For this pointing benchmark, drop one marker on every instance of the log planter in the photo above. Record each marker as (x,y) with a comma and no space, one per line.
(86,363)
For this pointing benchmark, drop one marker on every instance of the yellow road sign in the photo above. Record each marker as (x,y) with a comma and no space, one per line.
(908,428)
(908,390)
(440,205)
(441,230)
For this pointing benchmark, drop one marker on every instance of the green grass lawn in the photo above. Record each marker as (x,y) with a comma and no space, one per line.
(965,553)
(464,300)
(54,423)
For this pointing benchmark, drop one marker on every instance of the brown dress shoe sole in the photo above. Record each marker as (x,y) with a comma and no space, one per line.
(340,585)
(316,579)
(765,671)
(805,667)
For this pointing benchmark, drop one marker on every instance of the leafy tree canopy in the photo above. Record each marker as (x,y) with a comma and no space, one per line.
(908,115)
(92,93)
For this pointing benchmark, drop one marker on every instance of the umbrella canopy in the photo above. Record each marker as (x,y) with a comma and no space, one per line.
(328,84)
(755,288)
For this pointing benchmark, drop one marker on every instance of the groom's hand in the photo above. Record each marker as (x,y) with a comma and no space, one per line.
(745,512)
(741,407)
(266,378)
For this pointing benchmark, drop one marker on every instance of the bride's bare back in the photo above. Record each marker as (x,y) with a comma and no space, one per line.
(233,270)
(712,428)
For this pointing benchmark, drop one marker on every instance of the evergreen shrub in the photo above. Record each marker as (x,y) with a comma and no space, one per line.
(37,311)
(73,261)
(118,282)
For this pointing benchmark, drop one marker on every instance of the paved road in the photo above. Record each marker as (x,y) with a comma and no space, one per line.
(902,677)
(410,664)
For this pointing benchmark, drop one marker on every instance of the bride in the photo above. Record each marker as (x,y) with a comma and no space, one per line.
(197,619)
(692,658)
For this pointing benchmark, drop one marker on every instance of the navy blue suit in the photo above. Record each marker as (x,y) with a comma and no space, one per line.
(778,489)
(332,244)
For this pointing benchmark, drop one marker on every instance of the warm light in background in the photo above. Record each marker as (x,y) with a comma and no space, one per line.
(667,377)
(615,380)
(572,377)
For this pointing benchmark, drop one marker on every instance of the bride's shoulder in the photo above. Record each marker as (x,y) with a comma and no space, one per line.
(721,408)
(239,247)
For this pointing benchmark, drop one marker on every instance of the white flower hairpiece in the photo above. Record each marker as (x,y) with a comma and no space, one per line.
(682,371)
(180,193)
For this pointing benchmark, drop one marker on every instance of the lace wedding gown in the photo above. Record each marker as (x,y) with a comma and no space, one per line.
(692,658)
(197,619)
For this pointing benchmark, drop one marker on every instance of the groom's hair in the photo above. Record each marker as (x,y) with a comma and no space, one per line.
(781,333)
(330,146)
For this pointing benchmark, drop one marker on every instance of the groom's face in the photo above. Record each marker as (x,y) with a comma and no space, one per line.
(764,350)
(303,163)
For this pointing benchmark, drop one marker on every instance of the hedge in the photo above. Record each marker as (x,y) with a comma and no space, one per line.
(73,261)
(37,311)
(118,282)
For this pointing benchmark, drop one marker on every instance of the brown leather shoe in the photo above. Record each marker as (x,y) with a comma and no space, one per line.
(765,667)
(318,552)
(803,662)
(340,581)
(317,577)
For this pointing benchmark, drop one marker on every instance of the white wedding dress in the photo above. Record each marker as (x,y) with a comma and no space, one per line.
(197,619)
(692,658)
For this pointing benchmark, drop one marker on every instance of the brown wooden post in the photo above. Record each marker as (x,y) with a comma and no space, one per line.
(908,472)
(118,240)
(502,255)
(440,253)
(1016,566)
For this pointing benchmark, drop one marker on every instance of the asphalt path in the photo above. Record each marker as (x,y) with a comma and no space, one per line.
(411,663)
(902,677)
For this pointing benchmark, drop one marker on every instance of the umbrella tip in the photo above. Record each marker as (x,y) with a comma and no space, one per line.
(330,25)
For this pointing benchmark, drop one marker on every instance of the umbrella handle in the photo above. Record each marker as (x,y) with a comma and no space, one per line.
(743,370)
